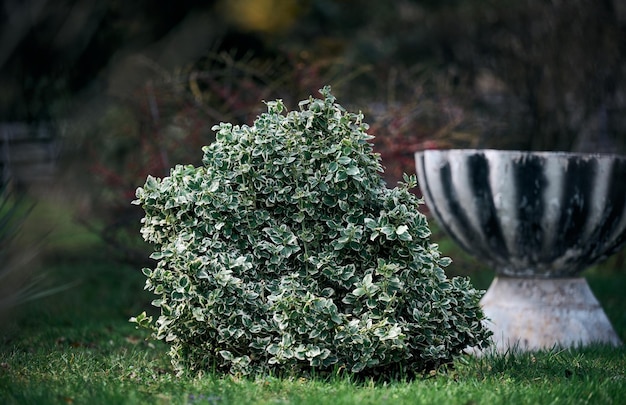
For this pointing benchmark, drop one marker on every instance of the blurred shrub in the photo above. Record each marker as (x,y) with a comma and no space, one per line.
(418,112)
(541,75)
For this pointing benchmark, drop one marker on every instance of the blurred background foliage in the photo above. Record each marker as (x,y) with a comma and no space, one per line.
(132,88)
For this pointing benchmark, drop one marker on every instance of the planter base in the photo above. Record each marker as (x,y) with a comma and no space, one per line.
(530,314)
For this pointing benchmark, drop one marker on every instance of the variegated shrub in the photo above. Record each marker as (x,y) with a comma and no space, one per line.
(285,251)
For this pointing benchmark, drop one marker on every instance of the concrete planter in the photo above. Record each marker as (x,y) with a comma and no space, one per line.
(539,219)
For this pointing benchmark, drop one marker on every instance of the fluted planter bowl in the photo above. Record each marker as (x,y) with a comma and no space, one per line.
(539,214)
(532,216)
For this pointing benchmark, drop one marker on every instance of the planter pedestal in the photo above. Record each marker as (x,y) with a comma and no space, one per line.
(540,313)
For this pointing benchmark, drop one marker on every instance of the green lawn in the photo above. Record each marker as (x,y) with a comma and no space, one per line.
(78,348)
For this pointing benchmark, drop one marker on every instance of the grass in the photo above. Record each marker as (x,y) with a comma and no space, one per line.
(78,348)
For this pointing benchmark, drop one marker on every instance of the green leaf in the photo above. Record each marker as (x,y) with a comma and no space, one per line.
(388,231)
(341,175)
(227,355)
(344,161)
(403,234)
(353,171)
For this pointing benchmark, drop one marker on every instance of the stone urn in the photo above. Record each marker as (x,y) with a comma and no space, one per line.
(539,219)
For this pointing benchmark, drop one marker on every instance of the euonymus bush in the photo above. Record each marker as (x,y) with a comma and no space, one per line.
(286,251)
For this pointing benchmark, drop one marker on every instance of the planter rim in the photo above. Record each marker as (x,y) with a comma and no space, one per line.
(513,152)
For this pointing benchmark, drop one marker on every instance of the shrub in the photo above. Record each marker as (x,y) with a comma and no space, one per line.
(285,251)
